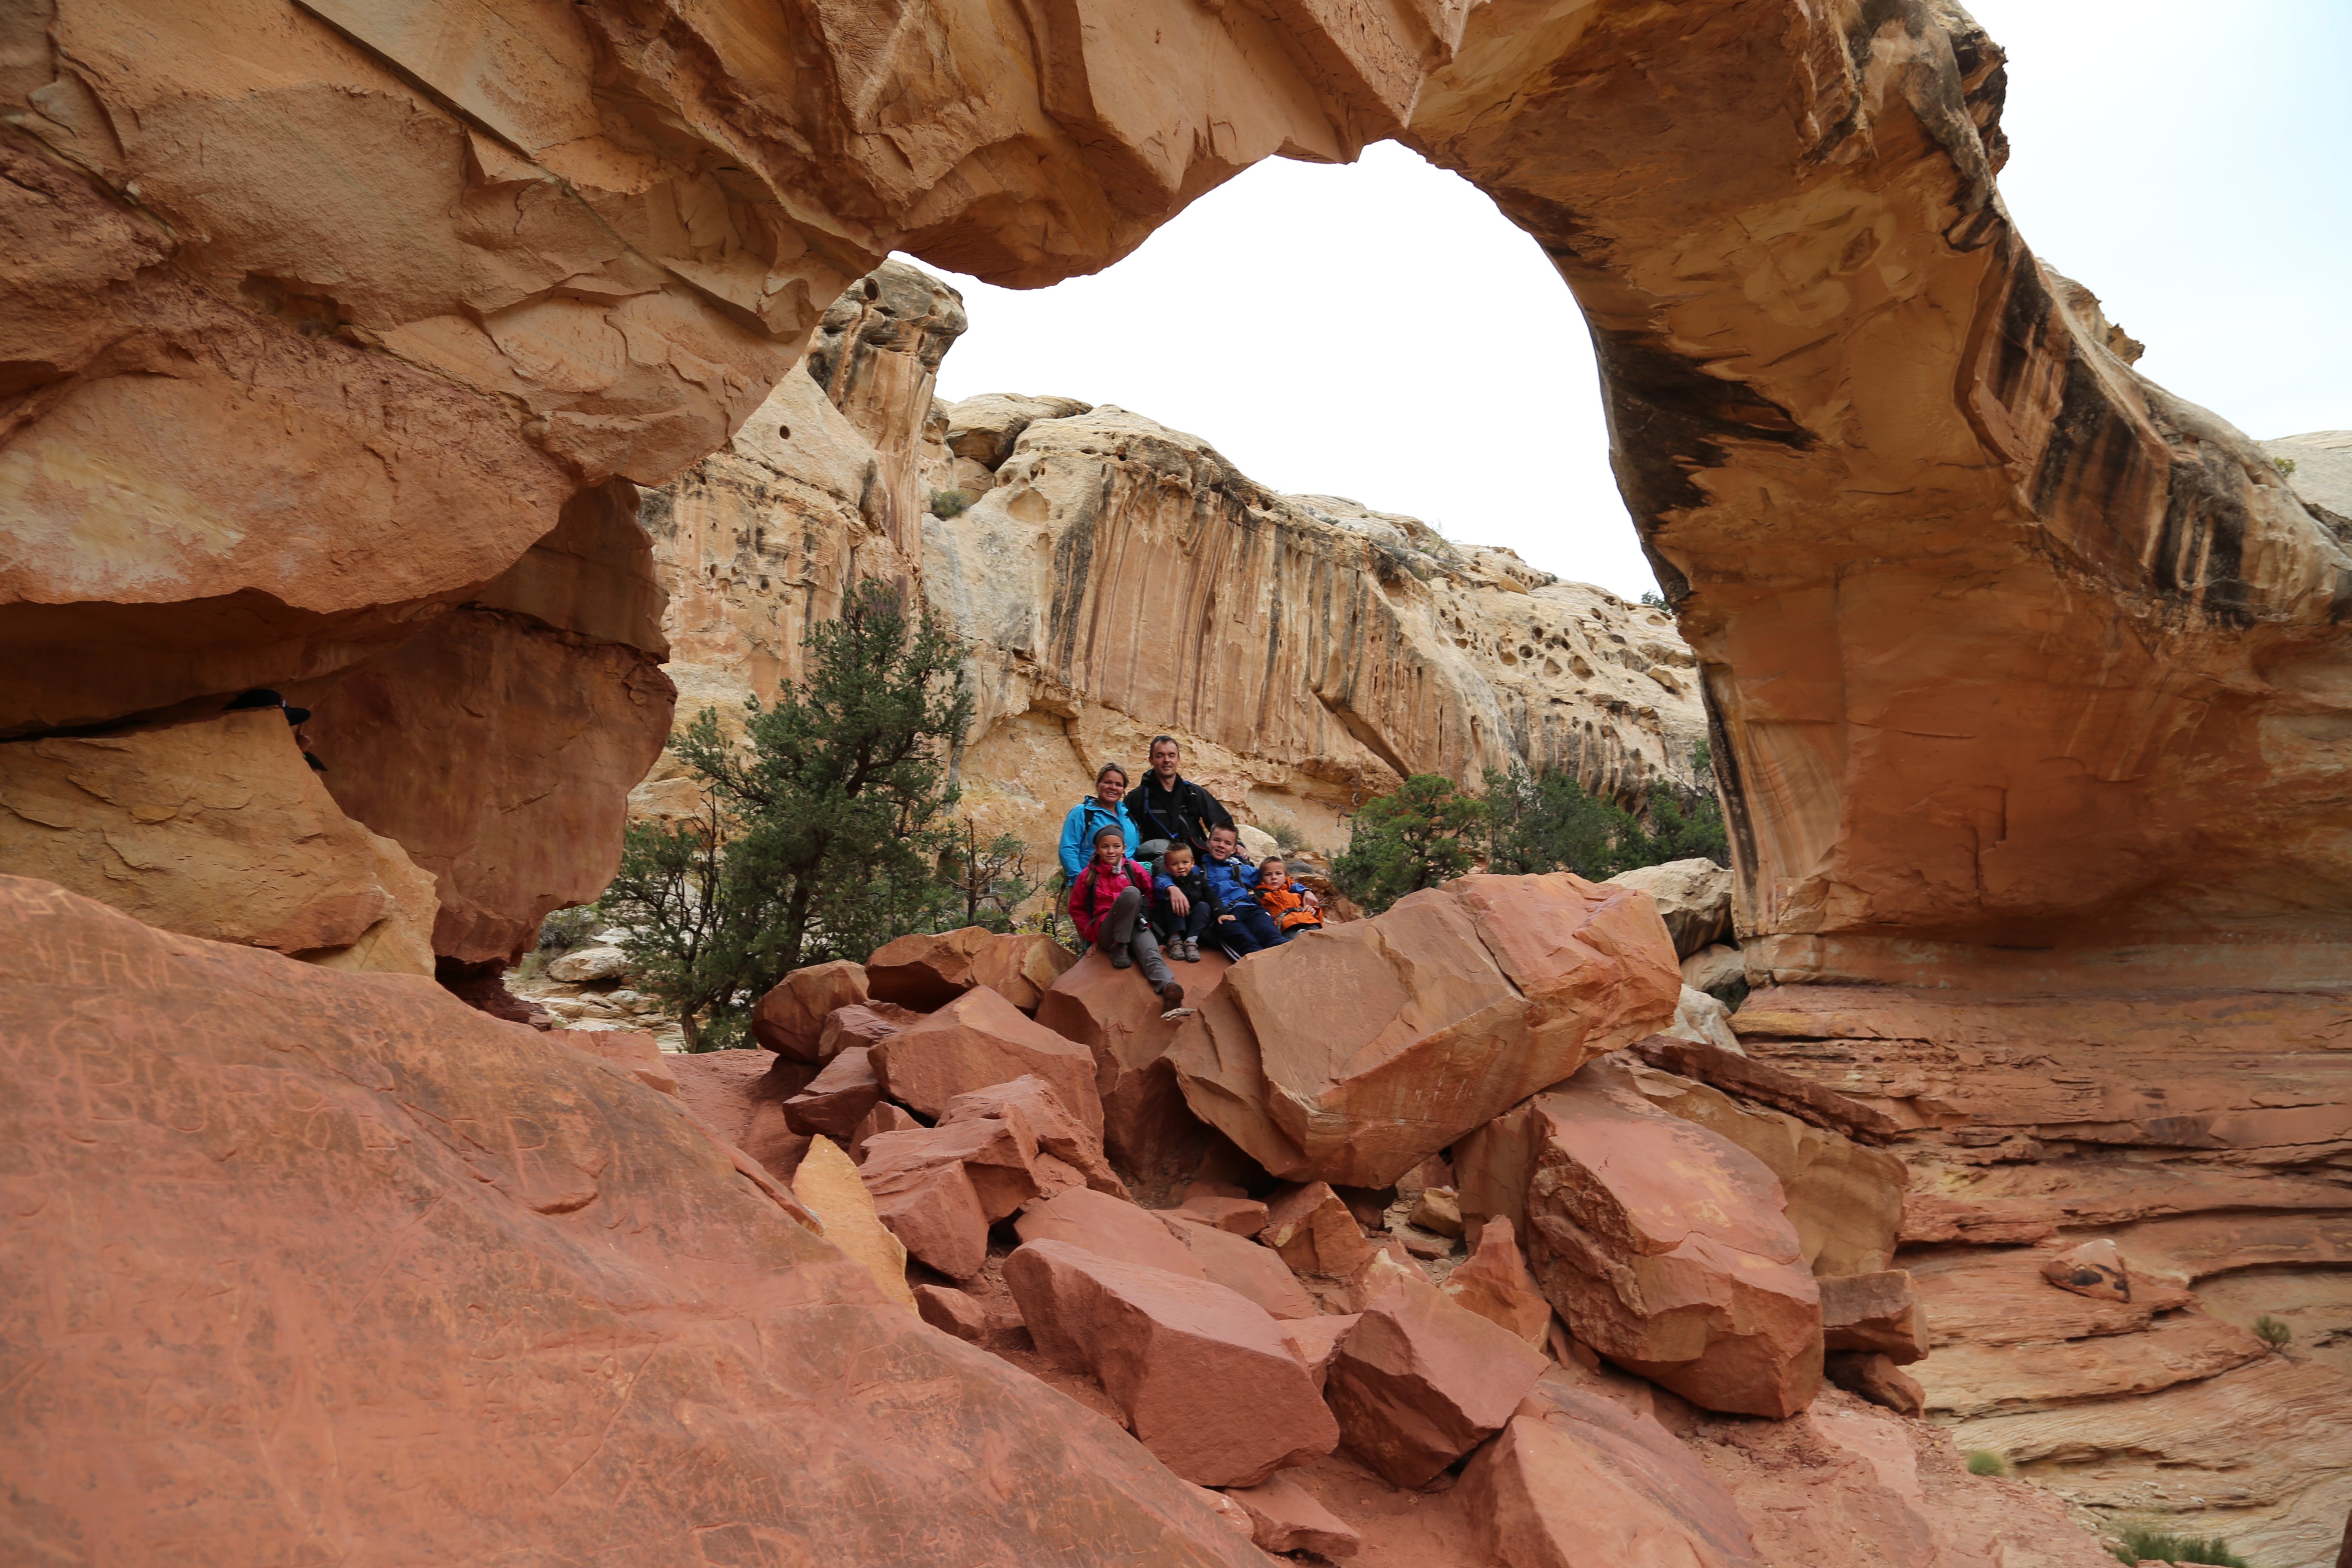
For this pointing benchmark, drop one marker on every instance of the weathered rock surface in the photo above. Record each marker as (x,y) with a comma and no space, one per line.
(1114,1014)
(978,1040)
(1285,1516)
(928,972)
(631,1049)
(1031,1102)
(1924,786)
(842,1094)
(1576,1478)
(829,1186)
(1495,1283)
(1242,1267)
(1875,1376)
(1877,1313)
(1110,1228)
(1312,1228)
(740,1096)
(2096,1269)
(1205,1378)
(215,829)
(1663,1245)
(587,1226)
(1432,1018)
(790,1019)
(1419,1381)
(1693,898)
(940,1188)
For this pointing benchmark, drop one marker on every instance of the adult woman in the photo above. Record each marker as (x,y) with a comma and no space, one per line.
(1090,816)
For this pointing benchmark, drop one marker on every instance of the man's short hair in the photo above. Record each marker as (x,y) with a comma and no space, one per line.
(1159,740)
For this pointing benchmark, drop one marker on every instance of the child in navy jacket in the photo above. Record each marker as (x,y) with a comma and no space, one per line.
(1181,934)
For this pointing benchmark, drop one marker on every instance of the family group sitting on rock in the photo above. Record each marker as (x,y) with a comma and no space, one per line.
(1153,871)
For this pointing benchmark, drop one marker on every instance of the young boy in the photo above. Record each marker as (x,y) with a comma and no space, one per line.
(1181,934)
(1242,927)
(1292,908)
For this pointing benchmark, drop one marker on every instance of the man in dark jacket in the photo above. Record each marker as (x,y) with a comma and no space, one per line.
(1165,805)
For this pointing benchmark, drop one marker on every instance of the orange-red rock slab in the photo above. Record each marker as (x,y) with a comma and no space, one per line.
(1419,1381)
(1146,1125)
(927,970)
(1241,1265)
(978,1040)
(1108,1227)
(790,1018)
(1206,1380)
(307,1264)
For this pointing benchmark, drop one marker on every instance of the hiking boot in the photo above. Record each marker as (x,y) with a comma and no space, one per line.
(1172,996)
(1119,959)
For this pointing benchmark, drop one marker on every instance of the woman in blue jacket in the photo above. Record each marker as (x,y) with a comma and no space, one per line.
(1090,815)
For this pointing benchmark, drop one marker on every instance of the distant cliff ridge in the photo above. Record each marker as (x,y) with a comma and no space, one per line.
(1115,579)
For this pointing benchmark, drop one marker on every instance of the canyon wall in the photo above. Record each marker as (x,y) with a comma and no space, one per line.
(1113,579)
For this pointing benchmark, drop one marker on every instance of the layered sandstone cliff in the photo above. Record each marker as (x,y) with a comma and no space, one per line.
(1112,578)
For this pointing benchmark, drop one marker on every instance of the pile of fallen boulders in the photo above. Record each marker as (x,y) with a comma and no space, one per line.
(1422,1190)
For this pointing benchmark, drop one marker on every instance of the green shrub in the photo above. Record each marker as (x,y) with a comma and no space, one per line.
(949,503)
(1654,600)
(2285,466)
(1417,838)
(1985,1462)
(2143,1544)
(567,928)
(1286,836)
(2272,1332)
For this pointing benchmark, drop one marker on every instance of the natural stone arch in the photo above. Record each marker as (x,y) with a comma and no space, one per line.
(2016,662)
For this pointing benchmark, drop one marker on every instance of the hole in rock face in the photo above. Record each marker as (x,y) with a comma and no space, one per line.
(873,290)
(783,432)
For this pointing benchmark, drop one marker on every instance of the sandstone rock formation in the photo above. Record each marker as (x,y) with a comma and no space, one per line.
(571,1245)
(1427,1021)
(1959,604)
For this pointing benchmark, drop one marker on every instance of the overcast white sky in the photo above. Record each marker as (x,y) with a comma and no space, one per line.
(1380,332)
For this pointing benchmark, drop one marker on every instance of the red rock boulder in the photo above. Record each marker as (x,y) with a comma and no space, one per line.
(1058,1134)
(1113,1013)
(868,1024)
(1877,1312)
(1419,1381)
(929,970)
(2096,1268)
(1355,1056)
(1663,1245)
(1314,1232)
(1109,1228)
(977,1041)
(790,1019)
(476,1289)
(1578,1479)
(842,1095)
(940,1188)
(1242,1266)
(1495,1283)
(1206,1380)
(1285,1516)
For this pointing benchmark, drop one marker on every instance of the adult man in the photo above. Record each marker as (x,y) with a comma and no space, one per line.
(1166,806)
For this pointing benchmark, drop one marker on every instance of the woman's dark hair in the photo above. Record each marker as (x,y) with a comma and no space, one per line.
(1107,770)
(1103,833)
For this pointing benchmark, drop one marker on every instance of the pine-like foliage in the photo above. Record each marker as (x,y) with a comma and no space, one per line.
(820,837)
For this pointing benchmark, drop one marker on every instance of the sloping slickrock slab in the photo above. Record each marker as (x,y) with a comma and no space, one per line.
(1663,1245)
(1429,1020)
(790,1019)
(940,1188)
(1110,1228)
(977,1041)
(1419,1381)
(1147,1126)
(1048,1120)
(458,1291)
(1982,1380)
(927,970)
(1763,1081)
(1208,1384)
(632,1050)
(2255,1454)
(740,1096)
(1242,1266)
(1576,1481)
(1998,1297)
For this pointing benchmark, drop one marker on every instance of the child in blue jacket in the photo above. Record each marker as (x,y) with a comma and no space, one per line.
(1242,927)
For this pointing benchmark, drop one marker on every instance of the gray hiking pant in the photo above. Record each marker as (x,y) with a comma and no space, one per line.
(1124,927)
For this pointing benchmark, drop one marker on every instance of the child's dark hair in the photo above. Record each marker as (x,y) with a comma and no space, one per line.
(1274,860)
(1175,849)
(1103,833)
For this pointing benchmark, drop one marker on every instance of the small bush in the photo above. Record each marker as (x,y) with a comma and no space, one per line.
(1286,836)
(1985,1462)
(567,928)
(1654,601)
(2285,466)
(2272,1332)
(949,503)
(2143,1543)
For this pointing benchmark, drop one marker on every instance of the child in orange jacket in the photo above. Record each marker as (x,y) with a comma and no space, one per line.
(1291,907)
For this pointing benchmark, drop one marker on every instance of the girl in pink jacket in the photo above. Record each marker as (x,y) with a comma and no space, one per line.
(1108,904)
